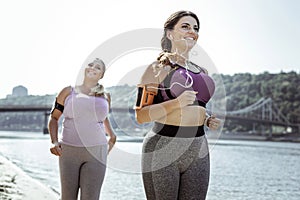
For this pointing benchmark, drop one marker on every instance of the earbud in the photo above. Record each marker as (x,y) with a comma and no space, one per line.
(171,37)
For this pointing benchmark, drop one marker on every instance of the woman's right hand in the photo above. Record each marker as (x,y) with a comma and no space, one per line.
(56,149)
(111,142)
(186,98)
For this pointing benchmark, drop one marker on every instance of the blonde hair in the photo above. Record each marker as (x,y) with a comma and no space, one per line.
(98,90)
(99,62)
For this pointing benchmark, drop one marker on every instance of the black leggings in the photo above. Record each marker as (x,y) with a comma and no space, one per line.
(175,168)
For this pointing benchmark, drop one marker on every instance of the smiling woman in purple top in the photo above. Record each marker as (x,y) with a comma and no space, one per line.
(83,147)
(173,93)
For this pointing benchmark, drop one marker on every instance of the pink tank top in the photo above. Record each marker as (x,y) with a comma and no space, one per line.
(83,120)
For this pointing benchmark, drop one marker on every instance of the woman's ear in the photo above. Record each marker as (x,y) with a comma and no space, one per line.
(101,76)
(169,35)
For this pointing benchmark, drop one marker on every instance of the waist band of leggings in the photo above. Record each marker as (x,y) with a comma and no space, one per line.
(178,131)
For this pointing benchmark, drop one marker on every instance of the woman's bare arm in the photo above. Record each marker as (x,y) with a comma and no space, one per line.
(53,121)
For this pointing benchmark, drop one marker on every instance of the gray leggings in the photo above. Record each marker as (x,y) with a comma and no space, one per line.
(83,168)
(175,168)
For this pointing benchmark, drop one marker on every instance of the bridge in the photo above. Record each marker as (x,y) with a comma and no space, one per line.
(45,109)
(264,112)
(25,108)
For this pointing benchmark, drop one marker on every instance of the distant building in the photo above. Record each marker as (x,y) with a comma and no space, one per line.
(19,91)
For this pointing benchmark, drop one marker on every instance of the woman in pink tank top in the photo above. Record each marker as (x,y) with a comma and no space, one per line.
(83,148)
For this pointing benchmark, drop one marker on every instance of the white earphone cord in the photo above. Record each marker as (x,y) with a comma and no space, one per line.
(186,85)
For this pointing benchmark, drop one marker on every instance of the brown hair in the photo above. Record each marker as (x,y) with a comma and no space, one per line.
(166,44)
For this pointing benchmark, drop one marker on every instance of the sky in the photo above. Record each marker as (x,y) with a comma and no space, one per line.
(44,44)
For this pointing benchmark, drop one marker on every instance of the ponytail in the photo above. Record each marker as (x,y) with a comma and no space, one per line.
(98,90)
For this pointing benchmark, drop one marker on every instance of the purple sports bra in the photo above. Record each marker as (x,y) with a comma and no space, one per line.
(182,79)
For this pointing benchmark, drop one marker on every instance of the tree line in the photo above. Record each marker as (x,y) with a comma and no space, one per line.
(242,89)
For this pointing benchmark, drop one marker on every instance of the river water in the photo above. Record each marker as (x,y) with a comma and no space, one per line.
(240,170)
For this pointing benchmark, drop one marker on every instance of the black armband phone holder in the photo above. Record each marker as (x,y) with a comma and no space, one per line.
(144,97)
(58,107)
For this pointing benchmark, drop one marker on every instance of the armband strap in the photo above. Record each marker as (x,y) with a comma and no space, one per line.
(58,107)
(144,97)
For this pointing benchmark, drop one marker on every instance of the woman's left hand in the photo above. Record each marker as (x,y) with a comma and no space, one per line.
(111,142)
(213,123)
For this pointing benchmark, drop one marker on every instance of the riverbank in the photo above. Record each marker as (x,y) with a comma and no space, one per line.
(232,176)
(17,185)
(247,137)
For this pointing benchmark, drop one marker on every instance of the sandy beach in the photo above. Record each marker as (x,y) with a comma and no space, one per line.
(15,184)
